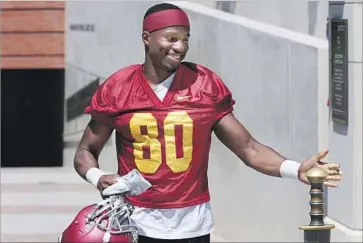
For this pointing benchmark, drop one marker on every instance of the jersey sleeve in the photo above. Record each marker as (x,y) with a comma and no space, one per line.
(223,100)
(103,107)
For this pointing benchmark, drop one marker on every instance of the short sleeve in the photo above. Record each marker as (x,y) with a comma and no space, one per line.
(223,100)
(102,106)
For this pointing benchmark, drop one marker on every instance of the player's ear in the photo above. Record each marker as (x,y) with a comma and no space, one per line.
(146,38)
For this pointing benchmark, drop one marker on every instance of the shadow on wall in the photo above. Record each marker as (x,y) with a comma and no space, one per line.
(226,6)
(313,12)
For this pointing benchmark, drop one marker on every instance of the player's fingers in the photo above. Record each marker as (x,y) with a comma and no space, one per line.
(318,157)
(330,184)
(333,166)
(108,180)
(334,178)
(332,169)
(322,155)
(115,178)
(335,172)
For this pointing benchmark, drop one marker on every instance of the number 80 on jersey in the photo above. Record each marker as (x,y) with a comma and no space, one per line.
(150,140)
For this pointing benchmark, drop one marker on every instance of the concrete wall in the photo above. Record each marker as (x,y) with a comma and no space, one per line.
(345,141)
(280,83)
(304,16)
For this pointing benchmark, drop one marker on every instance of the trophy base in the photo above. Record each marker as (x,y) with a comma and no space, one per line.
(317,234)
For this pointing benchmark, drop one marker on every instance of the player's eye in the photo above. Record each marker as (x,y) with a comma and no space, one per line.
(172,38)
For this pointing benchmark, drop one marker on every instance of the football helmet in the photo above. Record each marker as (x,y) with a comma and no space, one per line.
(107,221)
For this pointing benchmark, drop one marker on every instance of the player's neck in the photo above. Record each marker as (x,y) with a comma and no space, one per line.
(155,75)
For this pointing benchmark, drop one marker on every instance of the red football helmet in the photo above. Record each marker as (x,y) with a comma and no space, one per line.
(107,221)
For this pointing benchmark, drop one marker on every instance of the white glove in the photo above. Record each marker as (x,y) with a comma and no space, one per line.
(133,184)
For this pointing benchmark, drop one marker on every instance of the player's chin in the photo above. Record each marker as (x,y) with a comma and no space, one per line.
(171,66)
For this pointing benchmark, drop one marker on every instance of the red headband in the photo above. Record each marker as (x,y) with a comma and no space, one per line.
(165,18)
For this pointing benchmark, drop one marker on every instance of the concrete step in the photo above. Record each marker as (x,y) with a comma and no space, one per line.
(37,204)
(29,238)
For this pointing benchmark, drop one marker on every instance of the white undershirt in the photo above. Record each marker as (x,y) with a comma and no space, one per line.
(175,223)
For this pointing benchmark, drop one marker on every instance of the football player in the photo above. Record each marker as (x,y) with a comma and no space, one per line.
(163,112)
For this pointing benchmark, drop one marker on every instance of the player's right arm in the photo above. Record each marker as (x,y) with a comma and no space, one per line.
(104,107)
(86,164)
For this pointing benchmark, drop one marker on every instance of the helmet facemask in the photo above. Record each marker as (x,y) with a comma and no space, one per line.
(113,216)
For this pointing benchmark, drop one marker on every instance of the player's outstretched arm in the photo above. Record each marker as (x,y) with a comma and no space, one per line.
(254,154)
(266,160)
(94,138)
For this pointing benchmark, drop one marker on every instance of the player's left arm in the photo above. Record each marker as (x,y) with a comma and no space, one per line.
(254,154)
(265,159)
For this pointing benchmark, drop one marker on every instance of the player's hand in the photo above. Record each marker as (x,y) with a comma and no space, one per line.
(106,181)
(333,170)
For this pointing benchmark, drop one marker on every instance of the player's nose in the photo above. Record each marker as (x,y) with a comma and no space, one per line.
(180,46)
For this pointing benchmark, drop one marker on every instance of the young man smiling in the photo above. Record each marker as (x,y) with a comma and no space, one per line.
(164,112)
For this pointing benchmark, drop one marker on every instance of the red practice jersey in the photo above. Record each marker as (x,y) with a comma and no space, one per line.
(167,141)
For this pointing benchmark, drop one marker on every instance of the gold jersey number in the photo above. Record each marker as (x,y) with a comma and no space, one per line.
(152,164)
